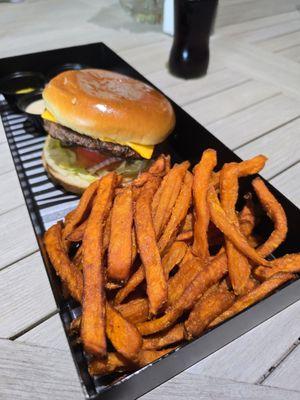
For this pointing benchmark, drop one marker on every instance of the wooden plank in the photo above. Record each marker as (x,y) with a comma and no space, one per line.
(31,372)
(191,90)
(281,146)
(49,333)
(281,42)
(271,31)
(248,124)
(199,386)
(215,107)
(259,64)
(249,357)
(6,162)
(261,22)
(150,58)
(163,79)
(17,239)
(287,183)
(25,295)
(286,375)
(292,53)
(246,10)
(11,193)
(2,134)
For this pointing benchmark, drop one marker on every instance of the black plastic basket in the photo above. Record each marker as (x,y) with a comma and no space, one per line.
(48,203)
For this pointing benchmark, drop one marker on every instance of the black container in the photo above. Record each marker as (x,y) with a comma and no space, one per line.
(24,101)
(64,67)
(187,141)
(193,22)
(13,85)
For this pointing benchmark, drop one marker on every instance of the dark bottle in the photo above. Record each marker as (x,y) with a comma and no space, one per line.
(193,22)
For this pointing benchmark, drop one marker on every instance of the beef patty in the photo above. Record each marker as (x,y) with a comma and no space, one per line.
(70,138)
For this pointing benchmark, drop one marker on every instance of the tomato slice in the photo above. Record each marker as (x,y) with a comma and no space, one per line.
(87,158)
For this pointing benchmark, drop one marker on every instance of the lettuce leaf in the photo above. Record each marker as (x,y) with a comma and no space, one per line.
(65,159)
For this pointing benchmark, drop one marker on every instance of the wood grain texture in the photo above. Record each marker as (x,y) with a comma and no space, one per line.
(11,193)
(286,375)
(149,58)
(241,96)
(281,42)
(6,162)
(281,146)
(249,357)
(254,121)
(292,53)
(49,333)
(17,239)
(25,295)
(201,387)
(287,183)
(270,32)
(37,373)
(254,9)
(191,90)
(240,27)
(259,64)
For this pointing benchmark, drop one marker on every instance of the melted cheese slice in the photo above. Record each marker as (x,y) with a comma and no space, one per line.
(144,150)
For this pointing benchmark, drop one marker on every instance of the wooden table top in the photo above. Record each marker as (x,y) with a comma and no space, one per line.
(250,99)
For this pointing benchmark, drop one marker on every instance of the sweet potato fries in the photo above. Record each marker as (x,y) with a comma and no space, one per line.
(160,260)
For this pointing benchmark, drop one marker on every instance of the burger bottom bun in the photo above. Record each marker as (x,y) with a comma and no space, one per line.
(70,182)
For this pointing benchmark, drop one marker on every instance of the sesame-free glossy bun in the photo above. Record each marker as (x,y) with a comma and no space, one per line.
(109,106)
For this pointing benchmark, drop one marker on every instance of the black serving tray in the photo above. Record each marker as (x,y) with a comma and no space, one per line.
(47,203)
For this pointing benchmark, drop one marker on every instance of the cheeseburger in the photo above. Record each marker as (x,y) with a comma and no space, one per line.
(99,121)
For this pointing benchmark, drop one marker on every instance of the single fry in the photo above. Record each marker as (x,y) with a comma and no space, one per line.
(174,335)
(77,259)
(81,211)
(106,235)
(215,301)
(220,219)
(171,258)
(188,224)
(123,335)
(77,234)
(135,311)
(70,275)
(287,263)
(179,212)
(275,211)
(160,167)
(117,363)
(133,246)
(120,246)
(165,198)
(93,304)
(206,278)
(134,281)
(246,168)
(202,175)
(183,278)
(247,217)
(155,276)
(254,296)
(238,265)
(114,362)
(185,236)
